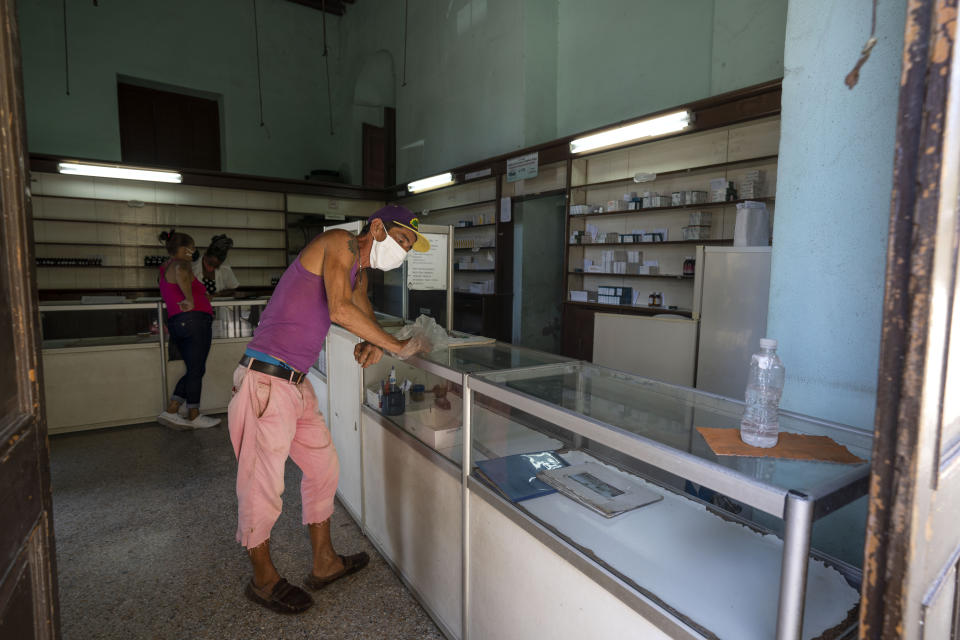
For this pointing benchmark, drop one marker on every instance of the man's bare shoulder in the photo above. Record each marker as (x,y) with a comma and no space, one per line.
(336,243)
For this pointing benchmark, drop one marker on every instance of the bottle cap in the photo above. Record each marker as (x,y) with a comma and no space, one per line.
(768,343)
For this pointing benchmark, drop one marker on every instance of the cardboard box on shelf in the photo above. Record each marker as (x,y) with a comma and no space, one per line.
(700,217)
(436,427)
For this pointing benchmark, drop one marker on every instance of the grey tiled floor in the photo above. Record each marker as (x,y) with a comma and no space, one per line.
(144,520)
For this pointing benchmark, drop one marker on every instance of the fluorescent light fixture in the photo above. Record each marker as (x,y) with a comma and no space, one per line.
(433,182)
(657,126)
(114,171)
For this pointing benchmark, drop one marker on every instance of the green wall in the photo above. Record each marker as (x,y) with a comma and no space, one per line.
(483,77)
(833,206)
(201,45)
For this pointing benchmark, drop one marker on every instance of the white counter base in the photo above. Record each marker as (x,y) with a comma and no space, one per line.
(719,574)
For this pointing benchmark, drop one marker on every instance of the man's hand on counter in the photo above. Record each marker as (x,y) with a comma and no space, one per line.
(367,354)
(413,346)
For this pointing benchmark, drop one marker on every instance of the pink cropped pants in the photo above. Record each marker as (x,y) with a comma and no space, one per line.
(271,419)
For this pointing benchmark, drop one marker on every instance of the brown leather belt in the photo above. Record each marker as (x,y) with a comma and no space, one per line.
(290,375)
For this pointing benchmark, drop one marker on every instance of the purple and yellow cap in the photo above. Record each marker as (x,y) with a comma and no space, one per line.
(405,218)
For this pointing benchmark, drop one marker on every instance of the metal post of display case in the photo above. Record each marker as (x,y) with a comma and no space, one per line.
(404,294)
(577,441)
(465,465)
(163,357)
(450,278)
(797,526)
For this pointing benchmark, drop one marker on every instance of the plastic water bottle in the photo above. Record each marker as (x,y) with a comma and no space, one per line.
(760,426)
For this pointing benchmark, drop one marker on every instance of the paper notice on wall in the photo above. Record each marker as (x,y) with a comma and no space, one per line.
(506,207)
(428,271)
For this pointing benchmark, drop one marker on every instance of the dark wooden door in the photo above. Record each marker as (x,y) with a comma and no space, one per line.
(374,156)
(168,129)
(912,563)
(28,602)
(380,151)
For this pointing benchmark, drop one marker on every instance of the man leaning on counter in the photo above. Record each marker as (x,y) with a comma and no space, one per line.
(273,414)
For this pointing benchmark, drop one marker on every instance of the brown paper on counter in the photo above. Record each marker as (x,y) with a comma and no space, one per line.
(795,446)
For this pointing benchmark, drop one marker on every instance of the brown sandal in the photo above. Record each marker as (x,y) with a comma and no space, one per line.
(351,564)
(283,598)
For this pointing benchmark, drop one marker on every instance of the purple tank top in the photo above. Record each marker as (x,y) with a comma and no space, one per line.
(297,318)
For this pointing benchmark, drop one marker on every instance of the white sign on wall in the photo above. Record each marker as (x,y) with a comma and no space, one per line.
(428,271)
(523,167)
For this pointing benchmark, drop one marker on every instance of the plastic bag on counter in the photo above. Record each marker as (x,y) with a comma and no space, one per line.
(425,335)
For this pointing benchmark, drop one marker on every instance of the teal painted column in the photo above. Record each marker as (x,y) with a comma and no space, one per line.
(833,205)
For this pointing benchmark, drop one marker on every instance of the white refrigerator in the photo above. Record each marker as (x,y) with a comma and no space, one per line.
(731,292)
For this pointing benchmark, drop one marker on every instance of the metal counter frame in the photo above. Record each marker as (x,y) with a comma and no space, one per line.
(797,509)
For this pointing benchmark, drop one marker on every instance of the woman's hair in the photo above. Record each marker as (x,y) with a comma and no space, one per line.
(173,240)
(219,246)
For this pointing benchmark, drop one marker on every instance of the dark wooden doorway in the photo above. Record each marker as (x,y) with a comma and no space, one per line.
(912,563)
(380,151)
(168,129)
(28,600)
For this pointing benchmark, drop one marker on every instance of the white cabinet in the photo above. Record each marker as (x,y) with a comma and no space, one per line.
(662,348)
(345,384)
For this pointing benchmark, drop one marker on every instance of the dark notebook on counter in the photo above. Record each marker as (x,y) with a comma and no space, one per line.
(515,477)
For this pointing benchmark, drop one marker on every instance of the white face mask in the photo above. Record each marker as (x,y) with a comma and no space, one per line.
(386,254)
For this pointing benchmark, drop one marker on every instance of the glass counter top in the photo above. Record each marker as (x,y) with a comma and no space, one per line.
(490,357)
(665,418)
(434,414)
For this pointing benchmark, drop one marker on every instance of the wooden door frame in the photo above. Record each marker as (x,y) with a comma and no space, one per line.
(28,428)
(901,462)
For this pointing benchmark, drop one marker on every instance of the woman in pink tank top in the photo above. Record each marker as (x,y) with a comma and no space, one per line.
(190,321)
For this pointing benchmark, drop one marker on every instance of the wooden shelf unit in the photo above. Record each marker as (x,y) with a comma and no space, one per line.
(640,309)
(668,276)
(608,245)
(679,172)
(119,221)
(681,163)
(472,312)
(679,207)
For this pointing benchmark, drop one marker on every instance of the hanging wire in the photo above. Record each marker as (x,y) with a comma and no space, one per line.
(66,54)
(326,62)
(854,76)
(403,73)
(256,33)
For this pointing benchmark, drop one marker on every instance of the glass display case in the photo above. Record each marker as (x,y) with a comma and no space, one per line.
(69,325)
(109,362)
(429,402)
(78,324)
(235,318)
(725,544)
